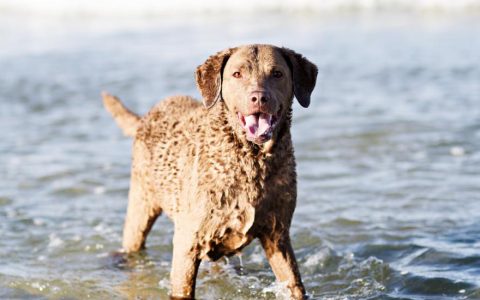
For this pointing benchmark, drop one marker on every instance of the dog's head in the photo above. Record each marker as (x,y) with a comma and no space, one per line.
(257,83)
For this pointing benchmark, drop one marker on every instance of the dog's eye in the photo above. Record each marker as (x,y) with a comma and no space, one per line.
(237,75)
(277,74)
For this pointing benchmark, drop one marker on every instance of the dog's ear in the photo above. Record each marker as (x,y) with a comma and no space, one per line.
(209,77)
(304,74)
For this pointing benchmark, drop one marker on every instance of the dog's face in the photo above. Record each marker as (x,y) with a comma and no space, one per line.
(257,83)
(257,86)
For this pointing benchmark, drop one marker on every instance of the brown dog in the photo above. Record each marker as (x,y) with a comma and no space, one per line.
(224,174)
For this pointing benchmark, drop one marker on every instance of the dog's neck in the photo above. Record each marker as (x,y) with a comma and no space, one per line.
(226,125)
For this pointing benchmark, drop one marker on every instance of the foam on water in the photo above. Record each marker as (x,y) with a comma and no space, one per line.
(149,8)
(54,241)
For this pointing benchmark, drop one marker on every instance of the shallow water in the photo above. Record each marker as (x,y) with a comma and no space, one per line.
(388,155)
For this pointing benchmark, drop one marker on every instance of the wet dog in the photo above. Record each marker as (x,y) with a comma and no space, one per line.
(224,171)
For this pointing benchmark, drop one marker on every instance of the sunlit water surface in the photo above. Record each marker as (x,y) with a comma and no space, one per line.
(388,155)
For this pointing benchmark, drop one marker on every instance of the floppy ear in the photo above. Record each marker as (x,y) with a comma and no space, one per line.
(209,77)
(304,75)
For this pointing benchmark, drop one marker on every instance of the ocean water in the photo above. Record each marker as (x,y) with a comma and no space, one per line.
(388,153)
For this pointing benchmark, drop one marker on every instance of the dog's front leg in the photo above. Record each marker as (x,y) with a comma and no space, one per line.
(284,265)
(185,265)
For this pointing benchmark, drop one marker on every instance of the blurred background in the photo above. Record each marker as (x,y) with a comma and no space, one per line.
(388,152)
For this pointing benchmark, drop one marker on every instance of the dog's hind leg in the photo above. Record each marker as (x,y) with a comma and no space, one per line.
(141,214)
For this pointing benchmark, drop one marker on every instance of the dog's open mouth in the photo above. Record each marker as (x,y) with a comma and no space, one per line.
(258,126)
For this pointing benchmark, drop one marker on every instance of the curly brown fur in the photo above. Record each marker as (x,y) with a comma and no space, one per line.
(225,175)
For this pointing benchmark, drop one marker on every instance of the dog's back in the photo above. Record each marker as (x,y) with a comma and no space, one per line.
(164,144)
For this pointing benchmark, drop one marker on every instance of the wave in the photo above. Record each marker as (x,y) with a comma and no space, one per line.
(145,8)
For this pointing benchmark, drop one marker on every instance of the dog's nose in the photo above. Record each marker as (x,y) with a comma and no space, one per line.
(259,96)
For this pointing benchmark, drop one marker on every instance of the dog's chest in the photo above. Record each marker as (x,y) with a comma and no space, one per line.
(231,205)
(228,233)
(237,187)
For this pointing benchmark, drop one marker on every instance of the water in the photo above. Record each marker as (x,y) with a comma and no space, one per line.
(388,154)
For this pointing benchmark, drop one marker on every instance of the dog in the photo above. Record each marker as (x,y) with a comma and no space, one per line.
(224,171)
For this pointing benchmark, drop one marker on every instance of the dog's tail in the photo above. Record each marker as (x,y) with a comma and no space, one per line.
(126,119)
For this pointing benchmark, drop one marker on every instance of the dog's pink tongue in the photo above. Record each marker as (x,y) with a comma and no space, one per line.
(251,125)
(257,125)
(264,123)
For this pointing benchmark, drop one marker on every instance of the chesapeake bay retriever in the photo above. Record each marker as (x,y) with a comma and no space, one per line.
(223,172)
